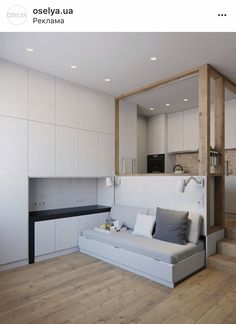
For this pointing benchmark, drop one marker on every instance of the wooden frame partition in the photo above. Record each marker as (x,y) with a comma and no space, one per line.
(215,180)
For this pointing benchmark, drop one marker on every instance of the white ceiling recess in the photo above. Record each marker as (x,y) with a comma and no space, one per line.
(122,57)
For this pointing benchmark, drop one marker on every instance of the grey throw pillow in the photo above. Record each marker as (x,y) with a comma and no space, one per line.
(171,226)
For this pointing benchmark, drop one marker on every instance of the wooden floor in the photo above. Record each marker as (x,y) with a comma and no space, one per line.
(80,289)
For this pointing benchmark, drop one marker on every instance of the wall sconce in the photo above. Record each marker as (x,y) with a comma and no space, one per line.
(182,183)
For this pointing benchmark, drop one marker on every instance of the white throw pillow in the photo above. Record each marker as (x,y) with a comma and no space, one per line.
(144,225)
(194,227)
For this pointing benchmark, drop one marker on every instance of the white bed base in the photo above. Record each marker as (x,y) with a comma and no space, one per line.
(161,272)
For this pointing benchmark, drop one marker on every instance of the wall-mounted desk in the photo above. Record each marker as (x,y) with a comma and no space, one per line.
(45,215)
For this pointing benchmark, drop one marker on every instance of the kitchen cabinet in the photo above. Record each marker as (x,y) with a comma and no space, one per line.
(175,132)
(13,190)
(128,137)
(41,149)
(87,153)
(66,233)
(190,128)
(156,134)
(41,97)
(183,131)
(87,115)
(13,94)
(66,151)
(106,155)
(66,103)
(45,234)
(106,114)
(230,122)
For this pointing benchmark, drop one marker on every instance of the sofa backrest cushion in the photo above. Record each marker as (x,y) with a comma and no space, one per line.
(127,214)
(194,227)
(171,226)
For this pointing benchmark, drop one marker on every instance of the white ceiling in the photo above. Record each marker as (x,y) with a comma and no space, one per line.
(125,58)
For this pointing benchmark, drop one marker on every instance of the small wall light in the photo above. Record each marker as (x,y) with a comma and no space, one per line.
(182,183)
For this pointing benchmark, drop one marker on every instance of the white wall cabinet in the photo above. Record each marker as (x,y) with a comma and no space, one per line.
(175,132)
(156,134)
(66,151)
(106,155)
(45,234)
(66,233)
(41,97)
(13,190)
(87,153)
(87,115)
(191,122)
(106,114)
(183,131)
(13,94)
(41,149)
(66,103)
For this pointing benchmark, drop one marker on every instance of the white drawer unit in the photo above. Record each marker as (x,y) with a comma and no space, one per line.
(66,233)
(45,233)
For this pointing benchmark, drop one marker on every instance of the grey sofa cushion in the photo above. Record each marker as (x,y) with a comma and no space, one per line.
(158,250)
(126,214)
(194,227)
(171,226)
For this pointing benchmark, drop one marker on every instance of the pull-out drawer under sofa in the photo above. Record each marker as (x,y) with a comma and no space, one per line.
(163,262)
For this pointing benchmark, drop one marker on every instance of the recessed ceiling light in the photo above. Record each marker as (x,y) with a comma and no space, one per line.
(153,58)
(167,105)
(185,99)
(107,79)
(151,108)
(73,66)
(28,49)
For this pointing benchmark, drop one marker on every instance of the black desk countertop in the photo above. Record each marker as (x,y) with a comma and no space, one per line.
(67,212)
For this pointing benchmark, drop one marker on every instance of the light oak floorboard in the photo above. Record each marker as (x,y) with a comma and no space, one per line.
(77,288)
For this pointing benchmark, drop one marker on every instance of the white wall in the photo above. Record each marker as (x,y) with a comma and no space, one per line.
(152,191)
(142,127)
(61,193)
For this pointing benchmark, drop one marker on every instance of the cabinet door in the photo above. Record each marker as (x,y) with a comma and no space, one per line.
(66,151)
(41,97)
(66,233)
(87,222)
(45,237)
(13,190)
(66,103)
(87,116)
(13,94)
(87,153)
(230,122)
(106,116)
(106,155)
(191,130)
(41,149)
(156,135)
(175,132)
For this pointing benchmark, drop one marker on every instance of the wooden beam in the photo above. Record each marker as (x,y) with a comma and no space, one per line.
(220,147)
(117,136)
(227,83)
(204,120)
(157,84)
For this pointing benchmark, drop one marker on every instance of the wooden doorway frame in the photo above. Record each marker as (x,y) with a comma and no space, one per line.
(205,73)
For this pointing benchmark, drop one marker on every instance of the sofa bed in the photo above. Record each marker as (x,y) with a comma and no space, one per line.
(160,260)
